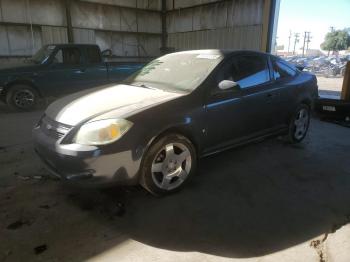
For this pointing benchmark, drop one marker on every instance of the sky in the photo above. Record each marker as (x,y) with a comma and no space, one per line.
(315,16)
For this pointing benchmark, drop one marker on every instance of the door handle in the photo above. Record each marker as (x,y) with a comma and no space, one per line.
(81,71)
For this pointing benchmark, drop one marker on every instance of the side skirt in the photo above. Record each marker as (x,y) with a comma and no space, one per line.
(245,141)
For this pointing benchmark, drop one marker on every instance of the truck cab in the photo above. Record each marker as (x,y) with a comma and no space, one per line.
(57,70)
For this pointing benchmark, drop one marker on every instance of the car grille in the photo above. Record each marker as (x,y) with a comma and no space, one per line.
(52,128)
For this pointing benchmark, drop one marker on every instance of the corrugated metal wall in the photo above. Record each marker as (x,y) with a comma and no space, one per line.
(126,31)
(131,27)
(25,25)
(128,27)
(235,24)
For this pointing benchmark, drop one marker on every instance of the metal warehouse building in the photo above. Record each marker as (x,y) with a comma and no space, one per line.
(135,28)
(116,147)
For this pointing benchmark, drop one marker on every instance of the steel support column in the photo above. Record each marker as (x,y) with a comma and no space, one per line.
(268,25)
(345,93)
(164,48)
(69,21)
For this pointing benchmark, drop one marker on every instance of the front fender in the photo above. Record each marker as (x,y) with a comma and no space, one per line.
(17,79)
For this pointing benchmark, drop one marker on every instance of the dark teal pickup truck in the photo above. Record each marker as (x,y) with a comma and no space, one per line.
(57,70)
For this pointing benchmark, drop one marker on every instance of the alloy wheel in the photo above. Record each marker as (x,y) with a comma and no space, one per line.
(301,123)
(171,166)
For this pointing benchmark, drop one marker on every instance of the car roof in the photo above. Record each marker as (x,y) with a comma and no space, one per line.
(223,52)
(73,45)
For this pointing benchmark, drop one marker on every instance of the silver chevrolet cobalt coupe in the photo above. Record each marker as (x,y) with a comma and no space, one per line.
(152,128)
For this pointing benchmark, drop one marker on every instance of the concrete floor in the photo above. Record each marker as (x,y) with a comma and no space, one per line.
(263,202)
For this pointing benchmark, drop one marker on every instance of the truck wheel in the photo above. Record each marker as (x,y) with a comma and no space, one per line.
(168,165)
(22,97)
(299,124)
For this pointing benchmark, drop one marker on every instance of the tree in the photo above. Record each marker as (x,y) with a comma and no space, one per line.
(336,40)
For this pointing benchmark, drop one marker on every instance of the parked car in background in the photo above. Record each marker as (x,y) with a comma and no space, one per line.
(57,70)
(152,128)
(327,66)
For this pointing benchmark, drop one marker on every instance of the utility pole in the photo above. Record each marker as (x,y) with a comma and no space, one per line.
(306,39)
(275,51)
(296,40)
(290,36)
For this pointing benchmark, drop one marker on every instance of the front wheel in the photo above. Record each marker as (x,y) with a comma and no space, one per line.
(22,97)
(299,124)
(168,165)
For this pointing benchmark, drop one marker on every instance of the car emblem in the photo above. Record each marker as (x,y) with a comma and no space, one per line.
(48,126)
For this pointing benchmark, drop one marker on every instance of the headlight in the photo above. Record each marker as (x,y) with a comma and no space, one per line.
(102,132)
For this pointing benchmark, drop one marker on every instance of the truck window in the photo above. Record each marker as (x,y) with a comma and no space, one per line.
(68,56)
(93,55)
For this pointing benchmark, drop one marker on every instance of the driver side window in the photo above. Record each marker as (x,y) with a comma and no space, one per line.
(250,70)
(58,59)
(67,56)
(246,70)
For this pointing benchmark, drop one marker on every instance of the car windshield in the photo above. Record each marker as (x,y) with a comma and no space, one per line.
(43,54)
(182,71)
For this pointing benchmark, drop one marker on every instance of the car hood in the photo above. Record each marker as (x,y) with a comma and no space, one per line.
(121,99)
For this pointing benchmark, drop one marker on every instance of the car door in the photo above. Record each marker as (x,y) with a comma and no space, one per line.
(284,86)
(65,72)
(237,115)
(95,69)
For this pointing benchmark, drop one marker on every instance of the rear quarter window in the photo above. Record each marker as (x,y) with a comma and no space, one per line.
(282,69)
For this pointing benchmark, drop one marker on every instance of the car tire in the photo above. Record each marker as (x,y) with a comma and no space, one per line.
(168,165)
(299,124)
(22,97)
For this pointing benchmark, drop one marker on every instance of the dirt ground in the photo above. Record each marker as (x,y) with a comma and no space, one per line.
(263,202)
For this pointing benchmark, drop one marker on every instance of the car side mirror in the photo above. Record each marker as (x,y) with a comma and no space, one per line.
(107,52)
(301,68)
(228,84)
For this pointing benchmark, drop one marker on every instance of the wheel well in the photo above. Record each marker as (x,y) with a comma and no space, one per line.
(27,83)
(180,131)
(306,102)
(172,130)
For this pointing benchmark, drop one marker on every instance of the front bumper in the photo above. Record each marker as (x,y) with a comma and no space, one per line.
(87,165)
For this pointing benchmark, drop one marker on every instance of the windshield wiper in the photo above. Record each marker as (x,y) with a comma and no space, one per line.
(145,86)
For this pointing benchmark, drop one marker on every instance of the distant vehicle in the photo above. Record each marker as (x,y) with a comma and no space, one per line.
(152,128)
(321,65)
(57,70)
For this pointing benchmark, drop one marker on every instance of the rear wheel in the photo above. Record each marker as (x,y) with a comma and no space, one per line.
(299,124)
(168,165)
(22,97)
